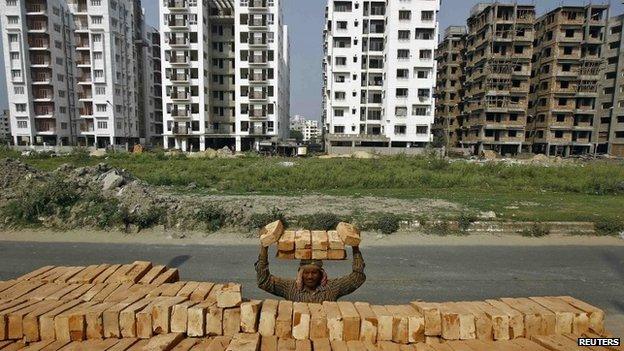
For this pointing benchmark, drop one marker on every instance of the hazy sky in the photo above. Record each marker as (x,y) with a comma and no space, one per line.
(305,20)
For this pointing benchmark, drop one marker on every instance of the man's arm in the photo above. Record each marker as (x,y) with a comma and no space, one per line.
(349,283)
(266,281)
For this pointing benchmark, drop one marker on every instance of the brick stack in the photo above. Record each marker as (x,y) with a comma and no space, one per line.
(139,306)
(310,244)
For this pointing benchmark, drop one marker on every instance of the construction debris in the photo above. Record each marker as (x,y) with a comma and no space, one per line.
(146,307)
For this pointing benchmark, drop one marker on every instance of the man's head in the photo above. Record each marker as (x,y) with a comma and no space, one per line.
(311,273)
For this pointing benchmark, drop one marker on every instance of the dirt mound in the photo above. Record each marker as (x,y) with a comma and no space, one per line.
(13,172)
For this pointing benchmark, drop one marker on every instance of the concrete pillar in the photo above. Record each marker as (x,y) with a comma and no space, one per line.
(202,143)
(95,144)
(520,148)
(238,143)
(547,149)
(165,142)
(15,140)
(183,145)
(177,143)
(567,150)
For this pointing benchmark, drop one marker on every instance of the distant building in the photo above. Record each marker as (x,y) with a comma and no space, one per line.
(297,123)
(311,129)
(5,126)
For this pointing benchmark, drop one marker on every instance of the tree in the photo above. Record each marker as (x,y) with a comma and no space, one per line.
(297,135)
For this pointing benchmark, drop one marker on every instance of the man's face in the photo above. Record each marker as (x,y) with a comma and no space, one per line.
(312,277)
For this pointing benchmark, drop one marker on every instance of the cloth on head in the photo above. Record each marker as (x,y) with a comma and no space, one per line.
(316,263)
(299,280)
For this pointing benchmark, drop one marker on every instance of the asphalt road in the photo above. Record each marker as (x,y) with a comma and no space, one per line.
(395,274)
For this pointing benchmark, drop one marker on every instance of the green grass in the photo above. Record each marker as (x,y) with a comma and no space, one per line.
(582,192)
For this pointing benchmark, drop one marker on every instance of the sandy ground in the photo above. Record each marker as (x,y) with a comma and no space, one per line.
(240,238)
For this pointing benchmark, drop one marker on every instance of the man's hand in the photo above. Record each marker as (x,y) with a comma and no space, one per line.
(264,251)
(356,249)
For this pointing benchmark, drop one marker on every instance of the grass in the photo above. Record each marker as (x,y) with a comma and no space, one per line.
(575,192)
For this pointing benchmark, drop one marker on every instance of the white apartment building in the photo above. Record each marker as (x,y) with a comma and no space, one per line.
(311,131)
(71,68)
(5,126)
(379,73)
(225,71)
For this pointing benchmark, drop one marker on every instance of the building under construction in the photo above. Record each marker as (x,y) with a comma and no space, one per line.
(566,68)
(498,68)
(609,128)
(449,85)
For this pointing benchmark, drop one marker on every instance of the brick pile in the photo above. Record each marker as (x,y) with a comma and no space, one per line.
(140,306)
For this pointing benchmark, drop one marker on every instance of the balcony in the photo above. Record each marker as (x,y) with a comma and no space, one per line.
(179,41)
(85,79)
(254,41)
(256,95)
(85,96)
(180,95)
(179,60)
(87,127)
(178,5)
(43,95)
(257,113)
(36,9)
(44,112)
(38,79)
(86,112)
(83,45)
(180,129)
(37,26)
(257,60)
(257,22)
(180,113)
(180,78)
(258,78)
(81,25)
(38,44)
(178,23)
(258,4)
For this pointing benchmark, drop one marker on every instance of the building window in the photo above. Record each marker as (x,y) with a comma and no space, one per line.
(420,110)
(100,91)
(402,73)
(426,16)
(425,54)
(102,125)
(403,53)
(401,93)
(400,111)
(20,107)
(338,113)
(100,107)
(422,129)
(96,19)
(341,61)
(18,90)
(339,129)
(422,74)
(404,35)
(400,130)
(13,19)
(22,124)
(96,2)
(340,95)
(405,15)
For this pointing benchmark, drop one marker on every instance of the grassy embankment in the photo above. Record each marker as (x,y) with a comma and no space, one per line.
(573,192)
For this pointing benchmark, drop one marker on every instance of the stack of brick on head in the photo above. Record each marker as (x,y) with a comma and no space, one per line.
(312,283)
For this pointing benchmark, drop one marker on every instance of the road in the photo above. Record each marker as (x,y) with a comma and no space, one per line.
(395,274)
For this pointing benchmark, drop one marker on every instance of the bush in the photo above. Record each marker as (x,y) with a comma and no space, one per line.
(609,227)
(465,220)
(143,219)
(442,228)
(536,230)
(387,223)
(213,216)
(104,211)
(42,200)
(259,220)
(319,221)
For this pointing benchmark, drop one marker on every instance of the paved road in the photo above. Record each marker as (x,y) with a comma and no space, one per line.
(395,274)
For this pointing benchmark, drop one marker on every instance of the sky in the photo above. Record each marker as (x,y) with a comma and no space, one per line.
(305,19)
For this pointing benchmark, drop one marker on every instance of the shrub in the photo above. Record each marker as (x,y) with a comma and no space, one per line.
(259,220)
(319,221)
(105,211)
(387,223)
(465,220)
(609,227)
(42,200)
(536,230)
(442,228)
(213,216)
(143,219)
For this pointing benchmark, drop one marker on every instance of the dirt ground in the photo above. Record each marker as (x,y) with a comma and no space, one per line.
(341,205)
(161,237)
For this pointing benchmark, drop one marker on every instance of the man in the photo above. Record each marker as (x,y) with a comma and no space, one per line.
(312,284)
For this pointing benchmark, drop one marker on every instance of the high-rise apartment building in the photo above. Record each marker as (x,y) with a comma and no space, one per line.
(379,73)
(498,70)
(225,71)
(566,70)
(609,126)
(71,71)
(449,86)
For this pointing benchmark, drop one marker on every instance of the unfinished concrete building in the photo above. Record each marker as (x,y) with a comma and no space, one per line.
(498,69)
(449,85)
(566,71)
(609,128)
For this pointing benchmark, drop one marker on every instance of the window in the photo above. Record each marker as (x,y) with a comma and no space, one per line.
(400,111)
(420,110)
(22,124)
(402,73)
(100,107)
(340,95)
(400,130)
(426,16)
(403,53)
(100,91)
(96,2)
(11,2)
(405,15)
(98,73)
(13,38)
(97,38)
(18,90)
(424,33)
(404,35)
(102,125)
(426,54)
(341,24)
(338,112)
(96,19)
(340,78)
(401,93)
(15,56)
(422,129)
(339,129)
(20,107)
(422,74)
(13,19)
(424,93)
(341,61)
